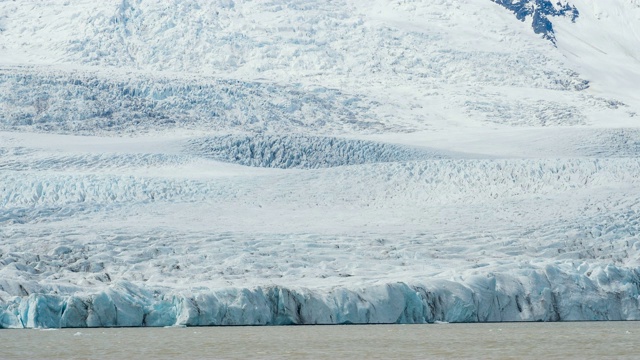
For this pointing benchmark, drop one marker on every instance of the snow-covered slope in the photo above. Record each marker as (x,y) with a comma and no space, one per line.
(277,162)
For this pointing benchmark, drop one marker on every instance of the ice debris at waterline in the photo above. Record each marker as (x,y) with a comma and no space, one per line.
(549,294)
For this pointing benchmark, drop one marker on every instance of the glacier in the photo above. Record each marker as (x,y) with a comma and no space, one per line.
(226,162)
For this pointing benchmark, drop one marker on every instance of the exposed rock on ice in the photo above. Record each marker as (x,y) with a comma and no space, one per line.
(541,12)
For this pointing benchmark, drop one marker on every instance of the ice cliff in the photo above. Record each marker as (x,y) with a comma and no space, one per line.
(550,294)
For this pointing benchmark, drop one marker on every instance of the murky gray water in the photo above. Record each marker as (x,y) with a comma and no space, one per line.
(497,341)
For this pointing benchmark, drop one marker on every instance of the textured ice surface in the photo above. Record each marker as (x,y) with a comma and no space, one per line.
(304,152)
(232,162)
(87,103)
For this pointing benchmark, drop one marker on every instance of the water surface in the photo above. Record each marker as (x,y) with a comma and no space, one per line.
(488,341)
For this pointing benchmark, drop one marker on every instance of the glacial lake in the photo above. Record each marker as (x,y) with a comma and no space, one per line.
(488,341)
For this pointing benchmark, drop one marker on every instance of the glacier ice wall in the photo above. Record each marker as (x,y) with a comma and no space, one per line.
(552,293)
